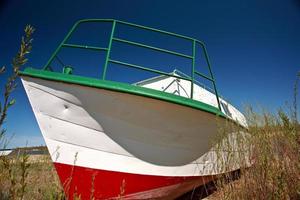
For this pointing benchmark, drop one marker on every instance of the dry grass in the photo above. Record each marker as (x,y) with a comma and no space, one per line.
(21,179)
(273,144)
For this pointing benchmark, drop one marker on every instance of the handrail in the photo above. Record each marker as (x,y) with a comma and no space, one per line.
(112,39)
(155,30)
(84,47)
(153,48)
(147,69)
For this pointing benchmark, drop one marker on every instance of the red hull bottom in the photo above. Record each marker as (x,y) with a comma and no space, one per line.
(88,183)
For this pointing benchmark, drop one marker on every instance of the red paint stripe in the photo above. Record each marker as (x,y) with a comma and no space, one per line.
(103,184)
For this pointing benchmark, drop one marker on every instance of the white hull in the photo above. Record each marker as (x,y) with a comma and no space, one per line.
(109,129)
(97,129)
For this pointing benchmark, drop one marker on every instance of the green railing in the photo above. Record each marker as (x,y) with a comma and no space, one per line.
(113,38)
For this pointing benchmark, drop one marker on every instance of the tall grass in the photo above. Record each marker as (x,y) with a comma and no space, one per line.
(21,178)
(37,180)
(269,157)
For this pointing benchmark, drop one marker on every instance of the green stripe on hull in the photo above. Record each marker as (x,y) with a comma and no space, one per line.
(121,87)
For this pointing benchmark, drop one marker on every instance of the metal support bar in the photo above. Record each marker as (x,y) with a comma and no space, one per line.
(193,69)
(212,76)
(60,46)
(202,75)
(60,61)
(84,47)
(95,20)
(153,48)
(155,30)
(109,49)
(147,69)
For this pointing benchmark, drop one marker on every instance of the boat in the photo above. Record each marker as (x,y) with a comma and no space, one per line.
(149,139)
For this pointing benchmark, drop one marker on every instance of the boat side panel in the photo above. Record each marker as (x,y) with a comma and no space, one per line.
(100,130)
(109,129)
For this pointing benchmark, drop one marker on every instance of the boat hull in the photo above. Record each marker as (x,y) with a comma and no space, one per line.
(87,183)
(108,144)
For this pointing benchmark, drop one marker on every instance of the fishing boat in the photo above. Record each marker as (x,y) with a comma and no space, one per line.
(149,139)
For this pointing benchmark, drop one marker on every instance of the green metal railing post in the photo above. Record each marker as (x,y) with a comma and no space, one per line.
(61,44)
(109,49)
(193,69)
(212,76)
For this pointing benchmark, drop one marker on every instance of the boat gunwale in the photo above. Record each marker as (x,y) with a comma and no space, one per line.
(124,88)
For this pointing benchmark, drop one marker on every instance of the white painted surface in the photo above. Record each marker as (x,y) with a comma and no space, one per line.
(182,87)
(122,132)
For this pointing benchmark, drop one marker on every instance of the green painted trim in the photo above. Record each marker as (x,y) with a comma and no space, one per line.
(121,87)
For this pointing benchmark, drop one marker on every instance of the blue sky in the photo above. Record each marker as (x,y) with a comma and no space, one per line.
(253,45)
